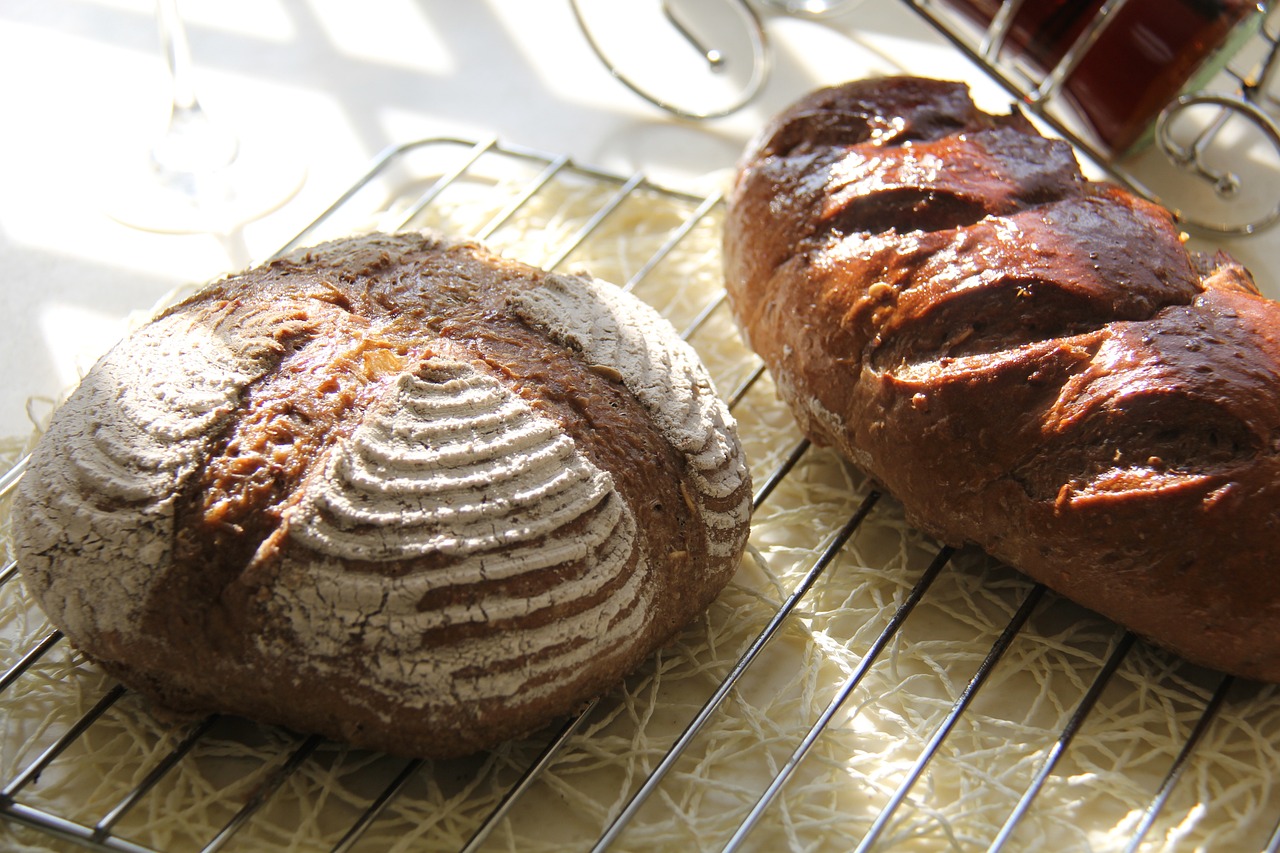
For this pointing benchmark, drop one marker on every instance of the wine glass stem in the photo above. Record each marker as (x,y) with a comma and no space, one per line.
(192,144)
(177,54)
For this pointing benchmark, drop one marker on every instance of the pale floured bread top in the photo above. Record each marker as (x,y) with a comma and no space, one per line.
(405,472)
(617,332)
(109,473)
(454,464)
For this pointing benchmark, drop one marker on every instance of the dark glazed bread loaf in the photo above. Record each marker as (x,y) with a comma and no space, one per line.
(1029,361)
(394,490)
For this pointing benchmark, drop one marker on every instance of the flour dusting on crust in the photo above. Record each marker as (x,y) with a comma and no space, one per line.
(103,484)
(664,373)
(455,465)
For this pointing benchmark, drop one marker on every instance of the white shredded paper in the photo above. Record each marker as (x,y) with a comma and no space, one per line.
(1095,799)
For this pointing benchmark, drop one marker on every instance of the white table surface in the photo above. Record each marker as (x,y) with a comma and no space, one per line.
(333,83)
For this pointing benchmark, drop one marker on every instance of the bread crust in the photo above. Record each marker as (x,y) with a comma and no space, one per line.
(396,490)
(1029,361)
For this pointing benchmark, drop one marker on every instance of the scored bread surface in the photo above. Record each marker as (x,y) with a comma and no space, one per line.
(393,489)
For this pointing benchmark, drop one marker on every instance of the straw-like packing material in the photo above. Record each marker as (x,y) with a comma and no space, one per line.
(1094,800)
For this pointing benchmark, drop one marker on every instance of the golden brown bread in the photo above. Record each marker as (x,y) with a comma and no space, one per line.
(1029,361)
(394,490)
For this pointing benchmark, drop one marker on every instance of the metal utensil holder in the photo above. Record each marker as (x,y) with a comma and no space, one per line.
(1202,153)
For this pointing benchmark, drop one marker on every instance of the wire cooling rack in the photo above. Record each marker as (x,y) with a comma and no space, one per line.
(855,687)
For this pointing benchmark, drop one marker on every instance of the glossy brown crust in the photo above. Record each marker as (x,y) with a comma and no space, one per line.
(1029,361)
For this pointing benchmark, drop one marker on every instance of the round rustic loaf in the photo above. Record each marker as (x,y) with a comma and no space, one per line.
(1029,361)
(394,490)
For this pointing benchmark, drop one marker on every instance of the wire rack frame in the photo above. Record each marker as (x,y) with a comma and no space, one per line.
(1205,698)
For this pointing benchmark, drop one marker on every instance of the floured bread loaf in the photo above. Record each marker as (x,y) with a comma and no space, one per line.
(1030,361)
(393,490)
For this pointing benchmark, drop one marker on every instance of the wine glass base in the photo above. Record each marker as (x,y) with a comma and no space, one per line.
(257,182)
(812,8)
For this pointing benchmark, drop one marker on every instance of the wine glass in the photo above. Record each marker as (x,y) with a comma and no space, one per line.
(199,177)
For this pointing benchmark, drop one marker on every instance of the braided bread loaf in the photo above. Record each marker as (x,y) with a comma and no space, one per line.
(394,490)
(1029,361)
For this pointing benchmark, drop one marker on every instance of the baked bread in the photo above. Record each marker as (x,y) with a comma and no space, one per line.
(1028,361)
(393,490)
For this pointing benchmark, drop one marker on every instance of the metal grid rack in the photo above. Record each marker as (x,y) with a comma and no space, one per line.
(819,630)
